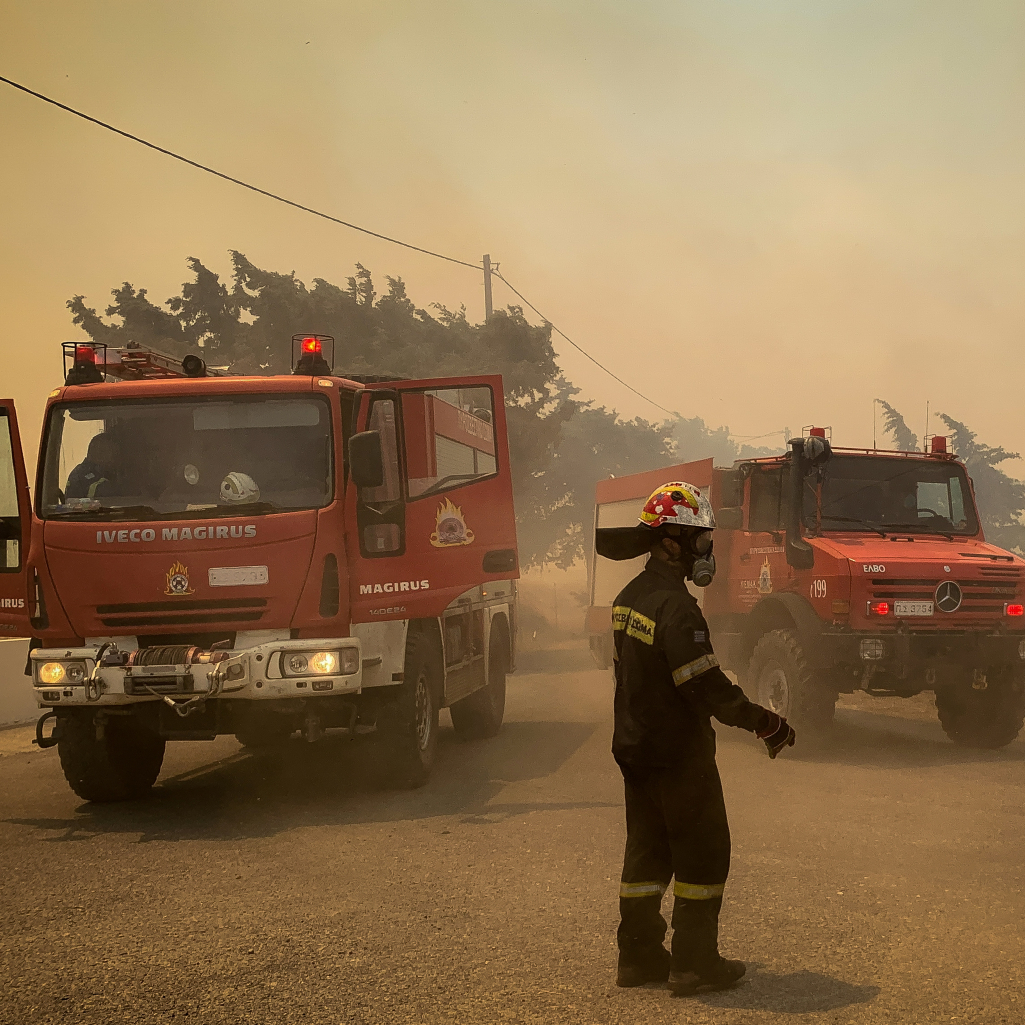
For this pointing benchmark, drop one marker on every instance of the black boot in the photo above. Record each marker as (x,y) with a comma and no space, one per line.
(638,970)
(696,962)
(720,975)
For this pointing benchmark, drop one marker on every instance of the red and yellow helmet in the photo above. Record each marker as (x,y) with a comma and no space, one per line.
(680,503)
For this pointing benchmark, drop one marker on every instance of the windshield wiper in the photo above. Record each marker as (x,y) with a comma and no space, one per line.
(854,519)
(248,509)
(107,513)
(922,527)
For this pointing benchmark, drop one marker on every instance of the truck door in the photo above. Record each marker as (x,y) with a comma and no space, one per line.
(443,521)
(15,527)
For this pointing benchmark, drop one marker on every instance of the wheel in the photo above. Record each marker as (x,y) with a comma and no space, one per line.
(780,678)
(480,714)
(121,765)
(411,738)
(262,733)
(989,718)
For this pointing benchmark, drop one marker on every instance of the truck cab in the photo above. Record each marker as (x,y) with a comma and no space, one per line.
(209,554)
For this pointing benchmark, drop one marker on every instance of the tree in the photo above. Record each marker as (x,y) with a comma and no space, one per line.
(895,424)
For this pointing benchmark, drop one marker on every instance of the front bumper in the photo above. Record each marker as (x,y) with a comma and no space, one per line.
(925,649)
(253,674)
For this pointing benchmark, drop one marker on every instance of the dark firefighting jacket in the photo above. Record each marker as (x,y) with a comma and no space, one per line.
(668,681)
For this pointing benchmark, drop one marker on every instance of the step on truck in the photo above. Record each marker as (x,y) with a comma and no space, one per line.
(210,554)
(847,570)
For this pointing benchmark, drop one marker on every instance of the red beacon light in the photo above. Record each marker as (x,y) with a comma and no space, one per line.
(1014,609)
(312,355)
(939,445)
(83,362)
(817,432)
(878,608)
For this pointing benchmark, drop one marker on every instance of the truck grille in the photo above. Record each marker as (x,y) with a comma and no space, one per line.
(979,596)
(181,613)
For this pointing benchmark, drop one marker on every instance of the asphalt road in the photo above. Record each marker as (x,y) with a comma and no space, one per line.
(879,880)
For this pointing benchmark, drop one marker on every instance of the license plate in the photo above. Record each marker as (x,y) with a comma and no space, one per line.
(912,608)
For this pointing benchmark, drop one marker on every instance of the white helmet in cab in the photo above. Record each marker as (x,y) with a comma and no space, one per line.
(239,488)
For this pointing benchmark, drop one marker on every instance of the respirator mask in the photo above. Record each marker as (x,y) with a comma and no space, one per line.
(702,571)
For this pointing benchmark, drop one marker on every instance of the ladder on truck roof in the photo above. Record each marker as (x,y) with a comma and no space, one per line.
(134,362)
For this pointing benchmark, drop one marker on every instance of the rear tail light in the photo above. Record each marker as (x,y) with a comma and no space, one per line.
(878,608)
(1014,610)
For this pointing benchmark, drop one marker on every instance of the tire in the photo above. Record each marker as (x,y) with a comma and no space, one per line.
(410,741)
(480,715)
(264,734)
(779,678)
(123,765)
(989,718)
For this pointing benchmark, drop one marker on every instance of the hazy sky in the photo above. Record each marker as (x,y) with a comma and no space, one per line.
(762,213)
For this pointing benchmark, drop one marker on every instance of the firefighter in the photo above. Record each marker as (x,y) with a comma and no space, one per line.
(97,474)
(668,686)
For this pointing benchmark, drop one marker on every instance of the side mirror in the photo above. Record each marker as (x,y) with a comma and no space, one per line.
(731,518)
(366,459)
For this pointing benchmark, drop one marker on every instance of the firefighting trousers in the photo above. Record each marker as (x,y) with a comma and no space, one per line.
(676,827)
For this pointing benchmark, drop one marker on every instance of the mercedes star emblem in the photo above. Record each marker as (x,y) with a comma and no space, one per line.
(948,596)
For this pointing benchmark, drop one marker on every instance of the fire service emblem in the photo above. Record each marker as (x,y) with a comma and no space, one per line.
(451,529)
(178,581)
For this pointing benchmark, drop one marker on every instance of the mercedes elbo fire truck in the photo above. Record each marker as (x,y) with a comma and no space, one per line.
(843,570)
(210,554)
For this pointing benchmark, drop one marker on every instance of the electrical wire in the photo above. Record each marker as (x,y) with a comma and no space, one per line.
(237,181)
(335,220)
(562,334)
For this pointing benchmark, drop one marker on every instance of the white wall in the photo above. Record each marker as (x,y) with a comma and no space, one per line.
(17,702)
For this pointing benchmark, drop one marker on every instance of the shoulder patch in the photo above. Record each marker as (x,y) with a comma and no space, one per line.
(639,627)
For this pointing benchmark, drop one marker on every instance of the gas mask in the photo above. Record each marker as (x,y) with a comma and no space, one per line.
(702,570)
(696,561)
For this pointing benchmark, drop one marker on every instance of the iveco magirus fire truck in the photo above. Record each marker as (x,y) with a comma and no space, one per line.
(210,554)
(843,570)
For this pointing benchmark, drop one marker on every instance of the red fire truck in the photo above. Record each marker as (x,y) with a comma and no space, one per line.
(842,570)
(210,554)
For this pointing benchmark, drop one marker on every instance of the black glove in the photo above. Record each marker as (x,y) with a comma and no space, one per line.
(776,734)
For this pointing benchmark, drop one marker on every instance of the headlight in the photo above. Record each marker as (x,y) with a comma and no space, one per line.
(53,674)
(320,663)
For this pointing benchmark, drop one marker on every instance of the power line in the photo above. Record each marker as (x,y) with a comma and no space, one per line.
(671,412)
(335,220)
(236,181)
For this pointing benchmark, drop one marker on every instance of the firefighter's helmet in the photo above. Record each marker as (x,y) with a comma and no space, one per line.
(238,488)
(680,503)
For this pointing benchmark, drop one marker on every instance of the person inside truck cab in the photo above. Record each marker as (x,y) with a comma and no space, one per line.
(97,474)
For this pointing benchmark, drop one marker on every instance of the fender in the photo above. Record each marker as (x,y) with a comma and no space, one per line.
(783,611)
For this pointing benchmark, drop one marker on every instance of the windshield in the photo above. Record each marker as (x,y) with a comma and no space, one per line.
(881,494)
(162,459)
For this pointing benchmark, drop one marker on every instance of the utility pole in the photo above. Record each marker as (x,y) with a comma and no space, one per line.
(487,289)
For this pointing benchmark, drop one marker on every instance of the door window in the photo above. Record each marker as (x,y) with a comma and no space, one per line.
(766,501)
(10,519)
(450,438)
(381,509)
